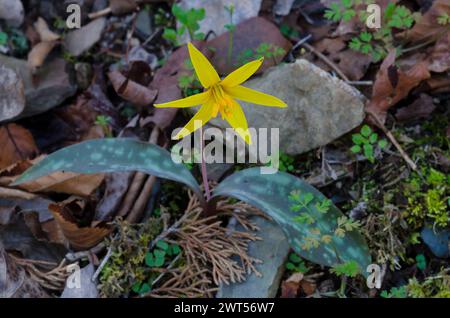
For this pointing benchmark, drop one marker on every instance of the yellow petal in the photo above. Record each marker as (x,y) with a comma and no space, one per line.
(205,71)
(236,119)
(250,95)
(200,119)
(242,74)
(190,101)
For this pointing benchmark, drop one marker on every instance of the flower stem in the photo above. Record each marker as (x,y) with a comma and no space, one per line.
(203,166)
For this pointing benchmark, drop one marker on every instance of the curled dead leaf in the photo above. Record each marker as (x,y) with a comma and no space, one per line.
(44,31)
(290,287)
(131,91)
(60,182)
(39,53)
(80,238)
(17,144)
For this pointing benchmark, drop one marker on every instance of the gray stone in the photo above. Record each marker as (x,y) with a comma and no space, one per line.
(320,108)
(80,285)
(216,17)
(49,88)
(283,7)
(12,93)
(272,250)
(81,40)
(12,12)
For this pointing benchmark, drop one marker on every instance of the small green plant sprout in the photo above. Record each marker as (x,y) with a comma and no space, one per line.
(189,83)
(3,38)
(104,122)
(395,292)
(189,22)
(443,19)
(366,142)
(157,257)
(421,262)
(374,43)
(288,32)
(266,50)
(348,269)
(296,264)
(231,27)
(340,11)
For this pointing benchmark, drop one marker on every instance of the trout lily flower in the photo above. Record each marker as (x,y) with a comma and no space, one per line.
(220,96)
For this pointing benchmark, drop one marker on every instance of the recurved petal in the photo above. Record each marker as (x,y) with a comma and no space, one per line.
(250,95)
(190,101)
(206,73)
(236,119)
(198,120)
(242,74)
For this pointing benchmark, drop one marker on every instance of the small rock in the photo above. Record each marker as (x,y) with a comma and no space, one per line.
(320,108)
(143,23)
(80,285)
(81,40)
(437,241)
(12,93)
(84,75)
(272,250)
(217,17)
(12,12)
(50,87)
(283,7)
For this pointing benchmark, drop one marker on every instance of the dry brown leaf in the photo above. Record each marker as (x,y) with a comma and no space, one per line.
(120,7)
(428,26)
(422,107)
(38,54)
(392,84)
(16,194)
(131,91)
(44,32)
(16,144)
(80,238)
(249,34)
(290,287)
(440,56)
(60,182)
(353,64)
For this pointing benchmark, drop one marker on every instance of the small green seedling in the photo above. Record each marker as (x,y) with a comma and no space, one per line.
(395,292)
(266,50)
(366,141)
(348,269)
(157,257)
(444,19)
(421,262)
(3,38)
(189,83)
(189,21)
(296,264)
(104,122)
(376,43)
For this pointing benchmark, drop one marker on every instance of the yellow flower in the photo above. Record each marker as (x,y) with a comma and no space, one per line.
(219,96)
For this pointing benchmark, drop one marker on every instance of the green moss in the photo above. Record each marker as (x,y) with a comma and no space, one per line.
(126,265)
(427,198)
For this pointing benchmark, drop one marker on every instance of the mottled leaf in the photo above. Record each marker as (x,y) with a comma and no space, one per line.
(271,193)
(112,155)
